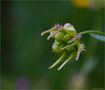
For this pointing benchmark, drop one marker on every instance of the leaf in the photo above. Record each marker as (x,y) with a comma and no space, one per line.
(98,35)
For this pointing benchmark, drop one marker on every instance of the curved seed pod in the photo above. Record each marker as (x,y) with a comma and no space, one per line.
(66,61)
(57,46)
(48,31)
(80,49)
(58,61)
(69,47)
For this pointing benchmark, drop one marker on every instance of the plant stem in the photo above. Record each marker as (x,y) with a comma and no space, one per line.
(90,31)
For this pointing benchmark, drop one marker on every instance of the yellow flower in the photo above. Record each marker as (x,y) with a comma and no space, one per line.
(93,4)
(81,3)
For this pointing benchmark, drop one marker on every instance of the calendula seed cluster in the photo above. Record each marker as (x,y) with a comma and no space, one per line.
(66,43)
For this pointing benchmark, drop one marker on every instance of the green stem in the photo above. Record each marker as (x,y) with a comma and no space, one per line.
(90,31)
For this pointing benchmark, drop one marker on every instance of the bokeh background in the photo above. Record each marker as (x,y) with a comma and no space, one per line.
(26,56)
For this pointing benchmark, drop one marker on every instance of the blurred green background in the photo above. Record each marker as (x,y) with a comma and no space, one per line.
(26,56)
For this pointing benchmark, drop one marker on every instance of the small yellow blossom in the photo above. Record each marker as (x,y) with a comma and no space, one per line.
(81,3)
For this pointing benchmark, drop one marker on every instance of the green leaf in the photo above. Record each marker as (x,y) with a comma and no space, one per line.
(98,35)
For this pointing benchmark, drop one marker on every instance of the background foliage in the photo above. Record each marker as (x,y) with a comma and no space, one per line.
(26,55)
